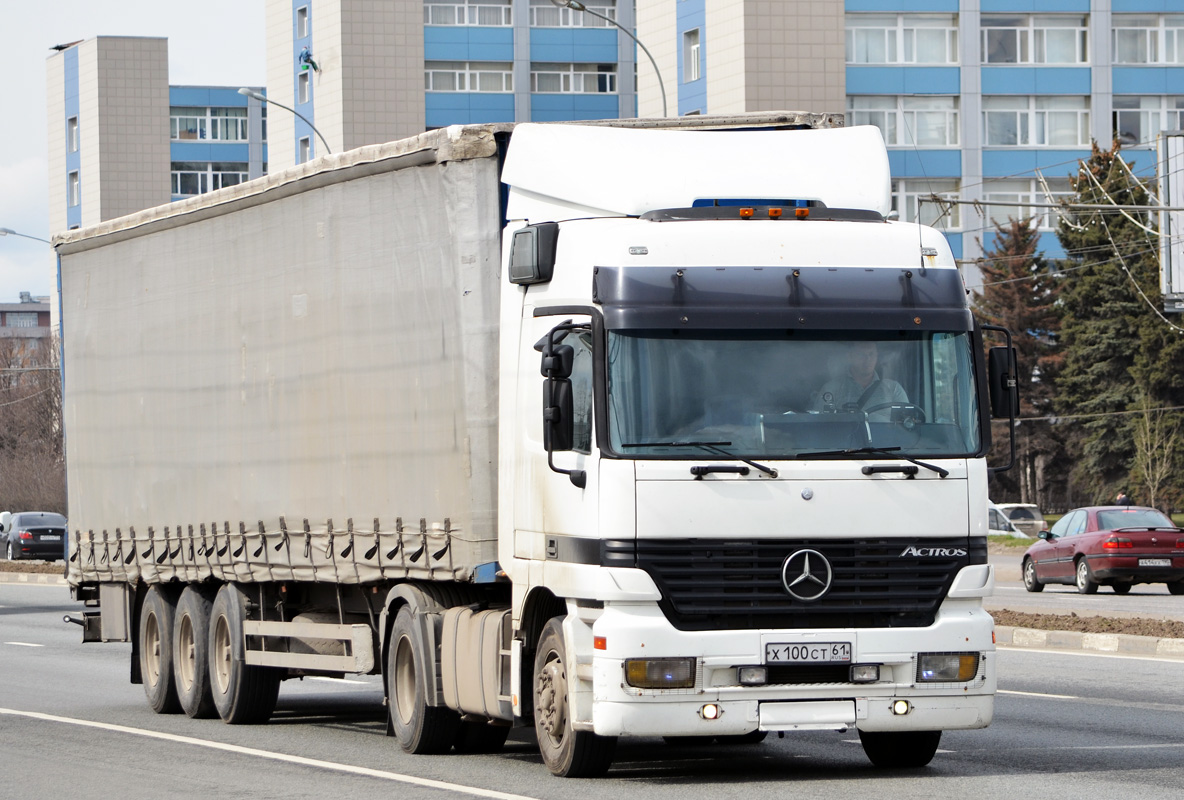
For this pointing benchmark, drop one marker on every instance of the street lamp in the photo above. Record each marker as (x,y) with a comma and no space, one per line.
(262,98)
(576,5)
(11,232)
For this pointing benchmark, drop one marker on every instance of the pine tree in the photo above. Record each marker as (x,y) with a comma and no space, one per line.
(1120,355)
(1020,294)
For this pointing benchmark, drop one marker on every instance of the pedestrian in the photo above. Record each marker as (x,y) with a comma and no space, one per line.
(1122,499)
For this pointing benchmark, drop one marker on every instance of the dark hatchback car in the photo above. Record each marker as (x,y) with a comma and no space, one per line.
(1116,546)
(32,534)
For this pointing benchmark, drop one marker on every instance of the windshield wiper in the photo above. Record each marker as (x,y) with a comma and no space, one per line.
(891,452)
(714,447)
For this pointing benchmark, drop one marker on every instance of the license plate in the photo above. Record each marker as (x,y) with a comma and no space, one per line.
(1155,562)
(812,653)
(51,537)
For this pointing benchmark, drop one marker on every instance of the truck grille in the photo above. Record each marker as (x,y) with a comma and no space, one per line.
(711,584)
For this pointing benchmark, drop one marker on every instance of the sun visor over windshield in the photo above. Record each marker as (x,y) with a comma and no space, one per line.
(782,297)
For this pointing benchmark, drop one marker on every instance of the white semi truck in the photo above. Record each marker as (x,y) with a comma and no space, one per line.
(626,429)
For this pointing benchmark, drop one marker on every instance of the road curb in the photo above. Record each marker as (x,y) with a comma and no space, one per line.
(1116,643)
(35,578)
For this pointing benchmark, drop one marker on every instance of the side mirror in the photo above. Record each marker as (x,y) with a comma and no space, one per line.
(1046,536)
(1005,396)
(5,521)
(558,422)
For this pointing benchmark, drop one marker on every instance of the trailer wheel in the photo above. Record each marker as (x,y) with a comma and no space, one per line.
(420,728)
(156,651)
(191,657)
(244,694)
(566,752)
(900,750)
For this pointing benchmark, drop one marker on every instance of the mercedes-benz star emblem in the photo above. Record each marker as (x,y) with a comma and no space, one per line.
(806,575)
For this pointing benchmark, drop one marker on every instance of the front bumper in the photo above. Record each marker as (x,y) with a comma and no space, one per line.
(641,631)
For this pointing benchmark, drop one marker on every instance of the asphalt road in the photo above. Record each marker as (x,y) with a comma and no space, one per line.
(71,725)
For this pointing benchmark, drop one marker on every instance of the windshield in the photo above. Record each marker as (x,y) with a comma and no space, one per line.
(790,394)
(1132,518)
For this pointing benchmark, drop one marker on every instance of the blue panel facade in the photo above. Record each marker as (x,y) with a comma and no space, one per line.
(462,108)
(559,107)
(955,240)
(903,80)
(574,45)
(209,151)
(1034,6)
(1048,245)
(73,159)
(692,95)
(464,43)
(908,163)
(902,6)
(1021,163)
(1036,80)
(1148,80)
(1145,6)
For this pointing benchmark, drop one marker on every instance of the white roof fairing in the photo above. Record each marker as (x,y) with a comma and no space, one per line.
(558,172)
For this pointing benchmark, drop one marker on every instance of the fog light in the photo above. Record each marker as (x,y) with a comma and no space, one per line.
(753,676)
(901,707)
(710,711)
(940,667)
(660,673)
(865,673)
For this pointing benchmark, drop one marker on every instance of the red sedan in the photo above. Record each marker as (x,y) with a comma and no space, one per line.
(1116,546)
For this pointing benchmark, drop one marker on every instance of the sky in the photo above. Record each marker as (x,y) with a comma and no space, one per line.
(212,42)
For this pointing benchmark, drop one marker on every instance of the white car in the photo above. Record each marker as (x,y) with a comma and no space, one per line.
(999,525)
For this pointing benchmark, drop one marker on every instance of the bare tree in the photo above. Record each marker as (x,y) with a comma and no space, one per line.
(1156,433)
(32,460)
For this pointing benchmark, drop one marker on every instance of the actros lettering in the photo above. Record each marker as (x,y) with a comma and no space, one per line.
(933,552)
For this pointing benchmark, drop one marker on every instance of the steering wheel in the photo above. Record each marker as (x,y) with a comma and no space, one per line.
(910,412)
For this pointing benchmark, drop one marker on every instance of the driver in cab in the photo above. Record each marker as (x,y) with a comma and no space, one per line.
(861,389)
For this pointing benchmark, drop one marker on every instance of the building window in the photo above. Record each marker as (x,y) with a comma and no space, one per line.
(545,14)
(902,39)
(216,124)
(468,76)
(917,200)
(1023,121)
(72,135)
(573,78)
(20,319)
(1035,39)
(1148,38)
(908,121)
(302,22)
(1139,120)
(304,151)
(302,86)
(73,189)
(1026,190)
(192,178)
(690,56)
(497,13)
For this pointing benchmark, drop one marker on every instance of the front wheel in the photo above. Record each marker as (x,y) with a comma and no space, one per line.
(1031,583)
(904,750)
(566,752)
(1085,579)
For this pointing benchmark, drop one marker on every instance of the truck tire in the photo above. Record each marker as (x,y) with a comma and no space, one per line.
(903,750)
(156,651)
(420,728)
(191,653)
(244,694)
(568,753)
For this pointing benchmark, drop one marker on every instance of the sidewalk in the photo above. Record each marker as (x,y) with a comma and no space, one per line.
(1112,643)
(37,578)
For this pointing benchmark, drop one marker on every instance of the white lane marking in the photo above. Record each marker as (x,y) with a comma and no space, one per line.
(250,751)
(24,644)
(1039,694)
(1054,652)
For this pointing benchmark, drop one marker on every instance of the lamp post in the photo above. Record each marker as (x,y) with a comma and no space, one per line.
(262,98)
(11,232)
(576,5)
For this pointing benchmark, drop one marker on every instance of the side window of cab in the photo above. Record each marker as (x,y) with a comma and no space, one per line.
(581,389)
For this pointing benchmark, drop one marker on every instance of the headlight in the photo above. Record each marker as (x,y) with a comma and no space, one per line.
(660,673)
(946,667)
